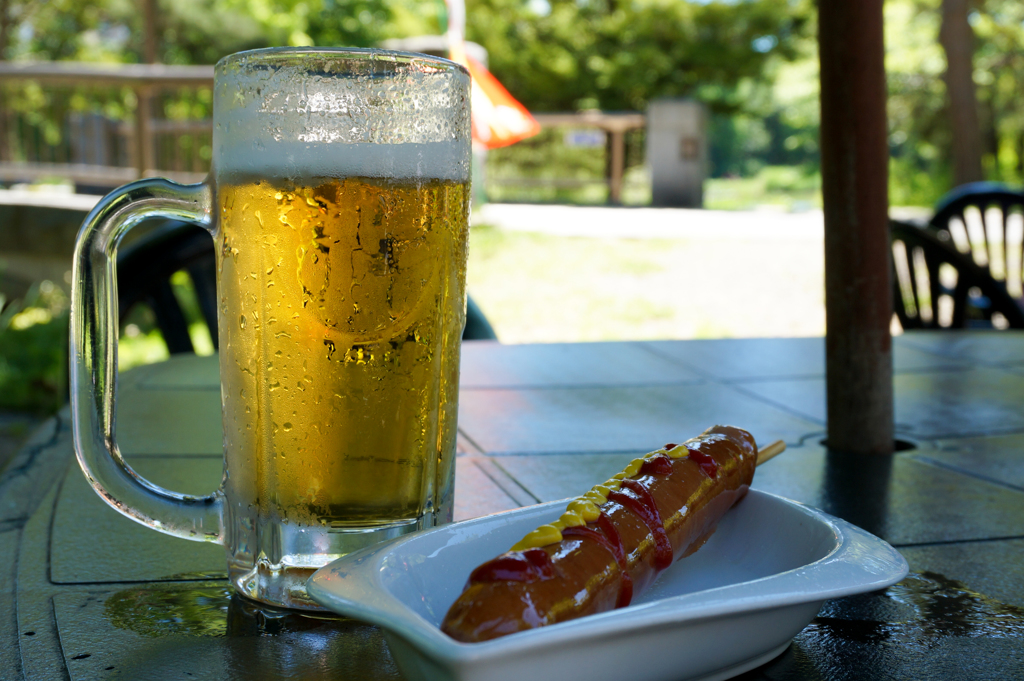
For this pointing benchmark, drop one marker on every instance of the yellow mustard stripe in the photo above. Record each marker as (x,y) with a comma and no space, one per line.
(586,508)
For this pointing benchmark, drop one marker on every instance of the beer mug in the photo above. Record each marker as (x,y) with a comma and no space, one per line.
(338,203)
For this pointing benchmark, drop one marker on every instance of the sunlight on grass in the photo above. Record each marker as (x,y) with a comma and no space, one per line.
(142,343)
(135,349)
(541,288)
(787,188)
(33,356)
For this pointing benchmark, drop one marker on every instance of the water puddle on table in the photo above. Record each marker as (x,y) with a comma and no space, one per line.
(203,630)
(940,607)
(943,607)
(202,610)
(928,628)
(915,629)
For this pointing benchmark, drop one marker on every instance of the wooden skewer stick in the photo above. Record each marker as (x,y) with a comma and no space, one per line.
(770,452)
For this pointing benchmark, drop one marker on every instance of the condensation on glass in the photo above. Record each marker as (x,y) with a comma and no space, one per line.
(338,205)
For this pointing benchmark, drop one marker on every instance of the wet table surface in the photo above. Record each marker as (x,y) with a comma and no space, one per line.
(88,594)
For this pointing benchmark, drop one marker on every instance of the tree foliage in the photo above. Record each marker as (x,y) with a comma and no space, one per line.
(999,72)
(203,31)
(562,55)
(920,132)
(753,62)
(615,54)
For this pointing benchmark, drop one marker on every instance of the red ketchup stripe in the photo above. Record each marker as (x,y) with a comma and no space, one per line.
(706,463)
(640,501)
(530,565)
(611,541)
(656,465)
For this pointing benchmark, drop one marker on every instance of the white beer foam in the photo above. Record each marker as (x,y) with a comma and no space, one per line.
(296,116)
(293,160)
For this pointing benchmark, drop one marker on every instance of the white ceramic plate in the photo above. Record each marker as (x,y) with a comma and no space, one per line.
(730,607)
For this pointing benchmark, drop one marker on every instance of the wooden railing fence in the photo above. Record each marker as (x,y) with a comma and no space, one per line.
(104,125)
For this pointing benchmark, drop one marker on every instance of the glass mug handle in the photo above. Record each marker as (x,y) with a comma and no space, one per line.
(93,374)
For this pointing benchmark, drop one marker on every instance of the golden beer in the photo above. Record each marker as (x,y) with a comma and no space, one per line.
(342,303)
(338,203)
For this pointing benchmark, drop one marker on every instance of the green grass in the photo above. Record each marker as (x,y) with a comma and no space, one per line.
(34,344)
(33,355)
(545,162)
(142,343)
(543,288)
(533,288)
(136,347)
(787,188)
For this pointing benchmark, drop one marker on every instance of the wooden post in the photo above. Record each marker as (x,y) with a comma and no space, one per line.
(150,41)
(854,169)
(143,139)
(145,156)
(957,38)
(5,28)
(616,164)
(5,116)
(6,23)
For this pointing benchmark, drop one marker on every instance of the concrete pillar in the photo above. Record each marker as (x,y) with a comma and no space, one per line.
(677,152)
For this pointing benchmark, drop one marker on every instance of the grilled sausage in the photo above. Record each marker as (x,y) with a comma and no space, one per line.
(612,542)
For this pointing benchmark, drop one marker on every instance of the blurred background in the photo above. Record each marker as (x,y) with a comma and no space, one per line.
(574,237)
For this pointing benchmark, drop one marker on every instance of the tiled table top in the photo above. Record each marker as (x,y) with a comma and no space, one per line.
(87,594)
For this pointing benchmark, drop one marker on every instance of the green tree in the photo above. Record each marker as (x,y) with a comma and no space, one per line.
(998,72)
(921,132)
(202,31)
(753,62)
(608,54)
(957,39)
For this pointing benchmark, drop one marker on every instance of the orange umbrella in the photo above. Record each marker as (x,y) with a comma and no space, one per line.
(498,119)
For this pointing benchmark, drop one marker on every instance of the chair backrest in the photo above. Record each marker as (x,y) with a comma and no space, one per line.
(145,268)
(936,286)
(985,221)
(144,271)
(477,326)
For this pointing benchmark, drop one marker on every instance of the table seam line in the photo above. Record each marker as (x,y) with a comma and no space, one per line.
(530,494)
(479,449)
(949,542)
(52,523)
(772,403)
(923,458)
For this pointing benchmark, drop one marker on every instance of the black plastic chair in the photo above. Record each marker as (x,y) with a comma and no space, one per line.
(145,268)
(477,326)
(144,271)
(985,222)
(936,286)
